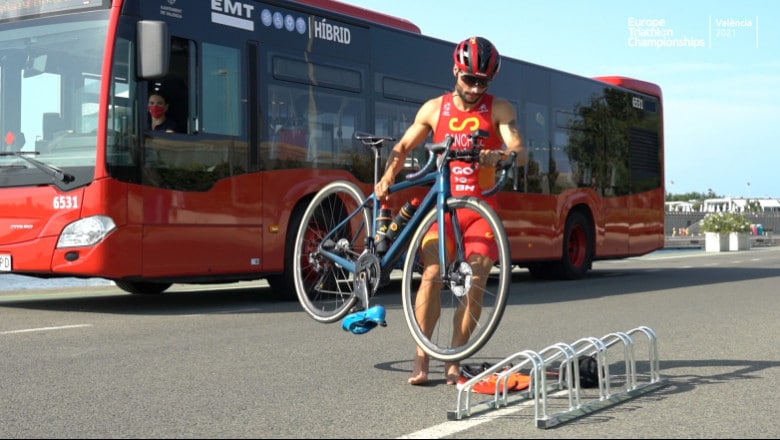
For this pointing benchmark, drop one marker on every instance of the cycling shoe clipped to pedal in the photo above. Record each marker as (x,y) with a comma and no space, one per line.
(363,321)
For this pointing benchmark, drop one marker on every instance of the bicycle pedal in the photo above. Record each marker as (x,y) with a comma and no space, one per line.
(362,322)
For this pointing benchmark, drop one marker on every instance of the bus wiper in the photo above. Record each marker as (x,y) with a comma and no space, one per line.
(46,168)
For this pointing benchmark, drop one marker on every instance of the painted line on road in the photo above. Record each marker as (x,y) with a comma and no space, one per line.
(45,329)
(456,426)
(42,294)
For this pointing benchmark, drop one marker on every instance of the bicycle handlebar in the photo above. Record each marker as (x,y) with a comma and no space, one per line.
(433,151)
(504,165)
(443,148)
(444,151)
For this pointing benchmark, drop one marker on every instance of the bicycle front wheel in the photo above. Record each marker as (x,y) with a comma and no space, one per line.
(335,215)
(451,317)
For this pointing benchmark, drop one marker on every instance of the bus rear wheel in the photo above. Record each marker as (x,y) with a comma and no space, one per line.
(142,287)
(578,240)
(577,254)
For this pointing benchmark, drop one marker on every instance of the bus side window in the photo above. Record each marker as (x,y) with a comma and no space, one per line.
(293,135)
(292,129)
(175,85)
(220,90)
(288,133)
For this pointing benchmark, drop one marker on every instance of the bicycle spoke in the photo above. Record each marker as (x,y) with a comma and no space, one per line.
(325,289)
(453,322)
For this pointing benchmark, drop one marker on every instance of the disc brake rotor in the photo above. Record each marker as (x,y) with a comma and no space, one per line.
(461,275)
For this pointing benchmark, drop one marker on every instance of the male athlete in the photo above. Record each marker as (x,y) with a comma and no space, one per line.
(459,113)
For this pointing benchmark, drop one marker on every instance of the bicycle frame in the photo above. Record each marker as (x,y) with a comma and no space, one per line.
(337,274)
(436,197)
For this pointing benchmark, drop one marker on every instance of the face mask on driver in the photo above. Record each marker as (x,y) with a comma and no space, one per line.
(157,111)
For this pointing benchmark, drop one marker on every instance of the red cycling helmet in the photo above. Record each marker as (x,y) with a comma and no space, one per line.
(477,56)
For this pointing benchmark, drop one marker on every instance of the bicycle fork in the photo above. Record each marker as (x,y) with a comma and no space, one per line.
(457,274)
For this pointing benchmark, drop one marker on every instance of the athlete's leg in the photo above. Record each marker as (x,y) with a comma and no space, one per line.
(427,306)
(469,311)
(480,253)
(464,287)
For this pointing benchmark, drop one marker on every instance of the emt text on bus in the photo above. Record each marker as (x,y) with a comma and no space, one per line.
(266,98)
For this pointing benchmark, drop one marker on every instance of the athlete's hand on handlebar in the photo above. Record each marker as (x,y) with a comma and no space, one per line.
(490,158)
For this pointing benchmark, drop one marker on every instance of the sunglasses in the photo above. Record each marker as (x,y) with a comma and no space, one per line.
(473,81)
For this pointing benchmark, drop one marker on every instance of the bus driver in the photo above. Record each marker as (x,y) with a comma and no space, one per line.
(158,110)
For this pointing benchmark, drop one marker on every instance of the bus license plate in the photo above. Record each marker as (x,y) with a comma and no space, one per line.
(5,262)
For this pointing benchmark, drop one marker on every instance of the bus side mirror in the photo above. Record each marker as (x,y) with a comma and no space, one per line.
(154,48)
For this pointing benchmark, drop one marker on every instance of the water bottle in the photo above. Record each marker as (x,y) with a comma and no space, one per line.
(401,219)
(382,224)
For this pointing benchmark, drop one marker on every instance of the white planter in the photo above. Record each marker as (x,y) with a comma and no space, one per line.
(739,241)
(715,242)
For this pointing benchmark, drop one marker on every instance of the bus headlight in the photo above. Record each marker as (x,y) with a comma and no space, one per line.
(86,232)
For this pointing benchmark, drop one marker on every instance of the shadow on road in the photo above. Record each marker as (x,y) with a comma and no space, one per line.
(600,282)
(238,300)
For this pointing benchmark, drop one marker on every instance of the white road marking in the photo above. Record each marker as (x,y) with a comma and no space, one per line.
(44,329)
(456,426)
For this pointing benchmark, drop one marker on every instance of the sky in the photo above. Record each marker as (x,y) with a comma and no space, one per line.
(719,70)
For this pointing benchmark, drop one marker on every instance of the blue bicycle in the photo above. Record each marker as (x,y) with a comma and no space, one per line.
(452,302)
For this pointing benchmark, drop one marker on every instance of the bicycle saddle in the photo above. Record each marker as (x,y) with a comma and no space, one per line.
(363,321)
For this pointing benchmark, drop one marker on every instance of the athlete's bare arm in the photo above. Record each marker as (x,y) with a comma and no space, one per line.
(423,124)
(505,119)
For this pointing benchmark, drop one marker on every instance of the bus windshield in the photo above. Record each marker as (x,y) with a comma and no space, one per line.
(49,89)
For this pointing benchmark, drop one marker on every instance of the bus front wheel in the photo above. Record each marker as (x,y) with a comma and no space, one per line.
(142,287)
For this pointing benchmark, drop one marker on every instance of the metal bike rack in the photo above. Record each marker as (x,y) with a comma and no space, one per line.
(611,389)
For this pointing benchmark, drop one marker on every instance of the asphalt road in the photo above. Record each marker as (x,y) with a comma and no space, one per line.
(210,362)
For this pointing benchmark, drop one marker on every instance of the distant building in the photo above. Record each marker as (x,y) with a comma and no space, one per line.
(727,204)
(679,206)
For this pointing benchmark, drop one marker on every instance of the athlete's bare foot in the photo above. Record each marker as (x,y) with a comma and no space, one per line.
(451,372)
(419,370)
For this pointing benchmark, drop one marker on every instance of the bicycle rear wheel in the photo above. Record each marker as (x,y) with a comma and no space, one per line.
(466,311)
(325,289)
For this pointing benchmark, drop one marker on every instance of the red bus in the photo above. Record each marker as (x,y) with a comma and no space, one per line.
(268,96)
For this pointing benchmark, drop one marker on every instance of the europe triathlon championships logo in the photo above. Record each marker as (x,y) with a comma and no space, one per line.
(661,33)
